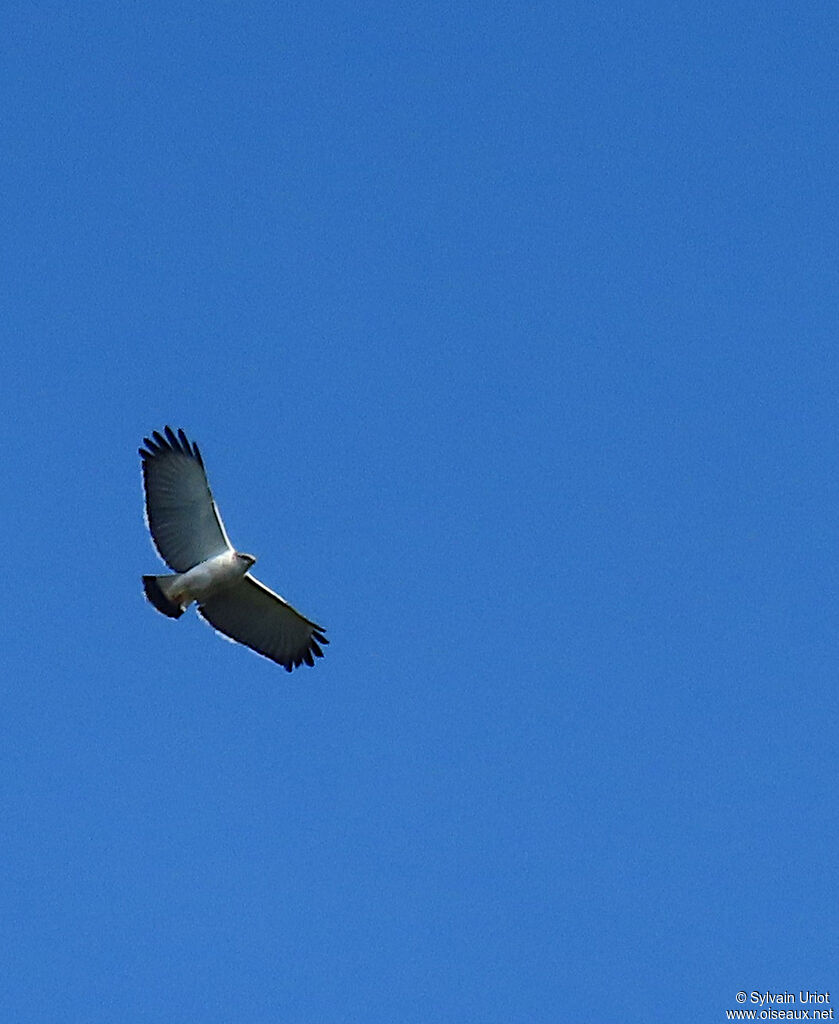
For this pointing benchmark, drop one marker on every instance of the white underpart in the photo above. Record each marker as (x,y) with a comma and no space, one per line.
(206,579)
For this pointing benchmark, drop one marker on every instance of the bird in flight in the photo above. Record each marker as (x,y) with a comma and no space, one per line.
(189,535)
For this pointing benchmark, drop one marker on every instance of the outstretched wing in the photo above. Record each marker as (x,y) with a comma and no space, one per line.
(255,616)
(183,519)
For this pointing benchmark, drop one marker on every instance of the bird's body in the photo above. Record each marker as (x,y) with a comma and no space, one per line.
(187,531)
(216,574)
(200,583)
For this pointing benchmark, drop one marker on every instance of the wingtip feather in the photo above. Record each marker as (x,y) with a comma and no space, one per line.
(170,441)
(171,437)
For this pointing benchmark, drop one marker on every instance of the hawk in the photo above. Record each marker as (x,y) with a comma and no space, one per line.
(187,530)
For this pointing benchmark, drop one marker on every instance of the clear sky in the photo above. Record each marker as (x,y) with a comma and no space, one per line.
(509,336)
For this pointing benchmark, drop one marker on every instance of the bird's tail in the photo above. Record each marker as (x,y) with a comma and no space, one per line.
(156,588)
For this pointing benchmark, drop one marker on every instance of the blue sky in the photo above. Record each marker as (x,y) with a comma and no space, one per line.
(508,333)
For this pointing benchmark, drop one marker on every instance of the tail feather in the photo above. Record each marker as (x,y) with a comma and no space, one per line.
(157,596)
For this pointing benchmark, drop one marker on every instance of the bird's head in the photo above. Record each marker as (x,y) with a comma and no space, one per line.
(246,560)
